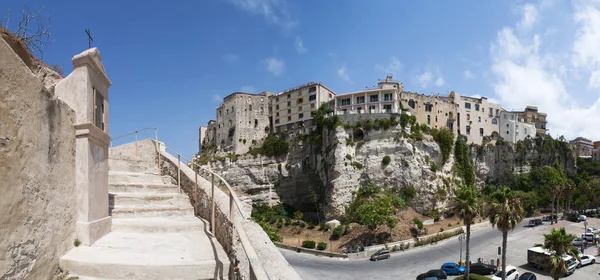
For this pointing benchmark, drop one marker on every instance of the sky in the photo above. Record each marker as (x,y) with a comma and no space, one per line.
(172,62)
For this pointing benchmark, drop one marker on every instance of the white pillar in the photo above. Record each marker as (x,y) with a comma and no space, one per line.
(85,90)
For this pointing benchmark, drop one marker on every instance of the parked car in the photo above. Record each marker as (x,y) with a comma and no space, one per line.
(586,259)
(433,274)
(582,217)
(380,255)
(538,221)
(571,265)
(592,230)
(578,242)
(511,273)
(453,268)
(531,223)
(528,276)
(483,269)
(589,237)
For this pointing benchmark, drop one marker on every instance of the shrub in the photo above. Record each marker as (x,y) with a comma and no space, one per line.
(438,237)
(321,246)
(434,167)
(337,232)
(273,146)
(359,144)
(349,142)
(408,193)
(386,160)
(323,227)
(357,164)
(77,242)
(472,277)
(418,223)
(308,244)
(349,157)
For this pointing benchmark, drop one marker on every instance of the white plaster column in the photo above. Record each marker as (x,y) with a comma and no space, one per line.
(86,91)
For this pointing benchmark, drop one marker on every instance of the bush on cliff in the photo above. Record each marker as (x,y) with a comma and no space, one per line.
(274,147)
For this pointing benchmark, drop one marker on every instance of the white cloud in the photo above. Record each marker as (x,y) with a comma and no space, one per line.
(468,75)
(216,98)
(230,58)
(530,15)
(299,45)
(439,82)
(393,66)
(424,79)
(530,71)
(248,89)
(274,11)
(275,66)
(342,72)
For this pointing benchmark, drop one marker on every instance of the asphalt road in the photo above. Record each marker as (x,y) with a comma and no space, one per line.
(409,264)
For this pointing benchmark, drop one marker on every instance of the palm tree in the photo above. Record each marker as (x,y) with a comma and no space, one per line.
(505,212)
(466,205)
(558,242)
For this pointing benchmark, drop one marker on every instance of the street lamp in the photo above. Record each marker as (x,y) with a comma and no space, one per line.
(460,239)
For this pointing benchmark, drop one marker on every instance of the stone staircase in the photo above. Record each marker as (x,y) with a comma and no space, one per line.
(154,234)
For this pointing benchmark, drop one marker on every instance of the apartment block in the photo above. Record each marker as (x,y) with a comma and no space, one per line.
(475,117)
(383,99)
(582,146)
(532,115)
(243,120)
(513,127)
(291,109)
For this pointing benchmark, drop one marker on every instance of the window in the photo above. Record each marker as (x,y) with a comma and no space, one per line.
(289,103)
(507,125)
(494,121)
(481,132)
(387,97)
(476,107)
(99,110)
(250,108)
(277,99)
(255,122)
(360,100)
(504,116)
(512,117)
(289,95)
(497,112)
(345,111)
(345,101)
(312,89)
(277,107)
(262,109)
(479,118)
(371,109)
(467,105)
(359,109)
(277,114)
(226,111)
(277,120)
(387,108)
(299,101)
(507,132)
(289,118)
(517,126)
(428,120)
(428,107)
(468,117)
(374,98)
(300,116)
(411,103)
(312,97)
(491,111)
(289,111)
(312,106)
(436,119)
(468,130)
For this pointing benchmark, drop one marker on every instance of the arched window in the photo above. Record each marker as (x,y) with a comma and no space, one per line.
(428,120)
(411,103)
(494,121)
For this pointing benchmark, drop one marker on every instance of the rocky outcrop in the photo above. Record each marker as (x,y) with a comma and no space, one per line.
(38,172)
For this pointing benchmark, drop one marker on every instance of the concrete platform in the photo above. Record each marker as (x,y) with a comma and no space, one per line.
(158,224)
(120,255)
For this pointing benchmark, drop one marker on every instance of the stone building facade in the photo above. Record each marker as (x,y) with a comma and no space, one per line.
(243,120)
(514,128)
(432,110)
(476,117)
(583,147)
(381,100)
(201,136)
(292,108)
(532,115)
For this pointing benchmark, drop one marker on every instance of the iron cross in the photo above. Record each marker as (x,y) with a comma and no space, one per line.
(90,39)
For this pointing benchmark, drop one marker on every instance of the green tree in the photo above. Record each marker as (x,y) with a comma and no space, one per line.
(505,213)
(550,180)
(466,205)
(558,242)
(273,146)
(378,212)
(462,161)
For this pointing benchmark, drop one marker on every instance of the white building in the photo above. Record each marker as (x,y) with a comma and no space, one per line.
(383,99)
(513,128)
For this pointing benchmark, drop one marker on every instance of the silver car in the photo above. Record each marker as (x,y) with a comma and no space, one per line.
(380,255)
(578,242)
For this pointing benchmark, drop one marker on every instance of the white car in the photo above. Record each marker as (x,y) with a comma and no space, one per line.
(512,274)
(587,259)
(593,230)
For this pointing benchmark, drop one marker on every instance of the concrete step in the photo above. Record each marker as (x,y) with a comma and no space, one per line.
(138,177)
(142,199)
(158,224)
(121,255)
(151,211)
(133,165)
(142,188)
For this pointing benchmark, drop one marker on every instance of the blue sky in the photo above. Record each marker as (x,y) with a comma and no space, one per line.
(171,62)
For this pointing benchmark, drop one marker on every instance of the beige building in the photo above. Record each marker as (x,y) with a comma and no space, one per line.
(243,120)
(476,117)
(531,115)
(434,111)
(201,136)
(292,108)
(514,128)
(383,99)
(583,147)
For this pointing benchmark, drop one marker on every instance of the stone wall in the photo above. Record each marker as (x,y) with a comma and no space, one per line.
(38,173)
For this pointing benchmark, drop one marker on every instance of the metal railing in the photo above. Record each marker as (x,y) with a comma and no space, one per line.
(235,204)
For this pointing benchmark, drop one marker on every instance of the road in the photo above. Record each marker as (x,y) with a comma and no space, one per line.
(409,264)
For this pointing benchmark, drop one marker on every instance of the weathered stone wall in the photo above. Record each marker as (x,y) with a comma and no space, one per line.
(353,118)
(38,173)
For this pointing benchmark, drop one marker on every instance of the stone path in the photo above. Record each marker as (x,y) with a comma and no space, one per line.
(154,234)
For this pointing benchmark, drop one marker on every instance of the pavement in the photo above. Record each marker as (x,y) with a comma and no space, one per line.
(409,264)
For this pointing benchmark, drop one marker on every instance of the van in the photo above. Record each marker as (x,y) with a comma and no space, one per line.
(380,255)
(590,237)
